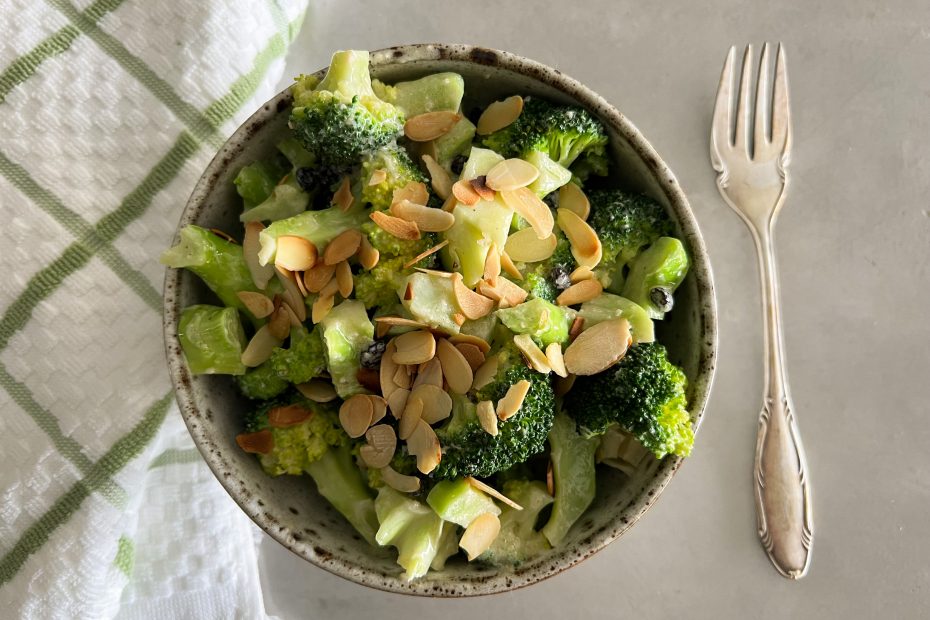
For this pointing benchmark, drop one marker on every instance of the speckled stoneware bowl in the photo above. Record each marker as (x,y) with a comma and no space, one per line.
(288,508)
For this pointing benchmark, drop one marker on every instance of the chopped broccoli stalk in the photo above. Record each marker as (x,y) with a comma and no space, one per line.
(262,382)
(447,547)
(480,161)
(455,142)
(432,93)
(346,333)
(518,540)
(218,262)
(400,171)
(607,306)
(303,359)
(432,300)
(470,238)
(662,265)
(340,481)
(543,321)
(459,502)
(286,200)
(295,153)
(317,227)
(644,393)
(573,471)
(484,327)
(410,526)
(551,177)
(340,119)
(212,339)
(255,182)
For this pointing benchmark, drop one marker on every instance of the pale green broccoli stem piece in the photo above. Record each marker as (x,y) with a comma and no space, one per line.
(286,200)
(552,175)
(340,481)
(518,540)
(295,152)
(608,306)
(432,301)
(480,161)
(447,547)
(662,265)
(432,93)
(457,141)
(212,339)
(346,332)
(255,182)
(543,321)
(573,469)
(317,227)
(410,526)
(459,502)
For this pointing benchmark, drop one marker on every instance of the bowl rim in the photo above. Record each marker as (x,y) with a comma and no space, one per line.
(706,305)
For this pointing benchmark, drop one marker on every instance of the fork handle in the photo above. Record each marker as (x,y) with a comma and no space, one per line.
(782,488)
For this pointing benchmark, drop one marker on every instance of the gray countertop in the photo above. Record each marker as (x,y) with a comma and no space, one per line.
(854,251)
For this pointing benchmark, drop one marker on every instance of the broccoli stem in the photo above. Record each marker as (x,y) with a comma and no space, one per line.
(340,482)
(663,264)
(317,227)
(573,466)
(413,528)
(212,339)
(348,75)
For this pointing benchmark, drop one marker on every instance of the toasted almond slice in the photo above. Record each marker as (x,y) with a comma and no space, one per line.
(426,253)
(413,412)
(455,367)
(261,442)
(511,174)
(579,274)
(473,305)
(424,444)
(427,219)
(479,184)
(295,322)
(430,374)
(472,355)
(499,114)
(510,404)
(224,235)
(437,404)
(487,417)
(485,373)
(480,535)
(563,384)
(479,342)
(344,279)
(439,178)
(256,303)
(317,390)
(399,321)
(526,247)
(458,318)
(503,291)
(378,407)
(414,347)
(301,285)
(261,274)
(368,256)
(408,292)
(531,208)
(399,482)
(343,247)
(290,415)
(279,323)
(318,277)
(397,402)
(402,376)
(414,191)
(509,267)
(355,415)
(387,369)
(465,193)
(586,246)
(260,347)
(571,197)
(321,308)
(578,293)
(598,348)
(550,479)
(486,488)
(378,176)
(343,197)
(556,361)
(449,205)
(576,328)
(402,229)
(291,293)
(492,263)
(382,443)
(536,358)
(430,125)
(435,272)
(331,288)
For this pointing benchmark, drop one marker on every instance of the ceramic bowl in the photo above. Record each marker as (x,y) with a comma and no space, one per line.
(288,508)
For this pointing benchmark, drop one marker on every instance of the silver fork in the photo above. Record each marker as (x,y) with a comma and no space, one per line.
(752,167)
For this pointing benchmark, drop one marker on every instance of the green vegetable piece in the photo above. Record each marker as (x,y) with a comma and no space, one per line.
(295,153)
(339,480)
(608,306)
(256,181)
(400,171)
(484,327)
(346,332)
(551,177)
(303,359)
(432,93)
(410,526)
(480,161)
(447,547)
(286,200)
(317,227)
(212,339)
(261,382)
(459,502)
(663,265)
(518,540)
(454,143)
(543,321)
(573,470)
(431,300)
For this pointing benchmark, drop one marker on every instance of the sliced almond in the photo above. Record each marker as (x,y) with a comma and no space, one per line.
(290,415)
(430,125)
(343,197)
(492,263)
(586,246)
(399,321)
(485,374)
(261,442)
(368,256)
(224,235)
(485,488)
(510,404)
(279,323)
(473,305)
(261,274)
(402,229)
(291,293)
(480,535)
(331,288)
(556,361)
(318,277)
(430,373)
(455,368)
(533,354)
(414,191)
(578,293)
(301,285)
(256,303)
(437,404)
(550,479)
(397,402)
(386,371)
(531,208)
(562,385)
(427,219)
(413,413)
(508,266)
(571,197)
(260,347)
(426,253)
(295,322)
(479,342)
(414,347)
(465,193)
(435,272)
(424,444)
(472,355)
(449,205)
(439,178)
(378,407)
(343,247)
(317,390)
(598,348)
(458,318)
(399,482)
(579,274)
(511,174)
(321,308)
(525,246)
(378,176)
(487,418)
(402,377)
(576,328)
(499,114)
(503,291)
(344,279)
(380,447)
(355,415)
(481,188)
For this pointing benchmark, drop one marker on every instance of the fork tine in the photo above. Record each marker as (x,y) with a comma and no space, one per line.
(781,114)
(763,103)
(723,108)
(743,131)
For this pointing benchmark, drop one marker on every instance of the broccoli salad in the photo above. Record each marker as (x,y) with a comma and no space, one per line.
(444,319)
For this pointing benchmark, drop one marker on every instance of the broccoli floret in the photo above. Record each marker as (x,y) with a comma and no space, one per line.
(548,278)
(644,393)
(412,527)
(468,450)
(400,171)
(261,382)
(518,540)
(340,119)
(566,134)
(302,360)
(573,473)
(377,287)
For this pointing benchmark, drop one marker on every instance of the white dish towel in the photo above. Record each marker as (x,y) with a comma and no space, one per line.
(109,111)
